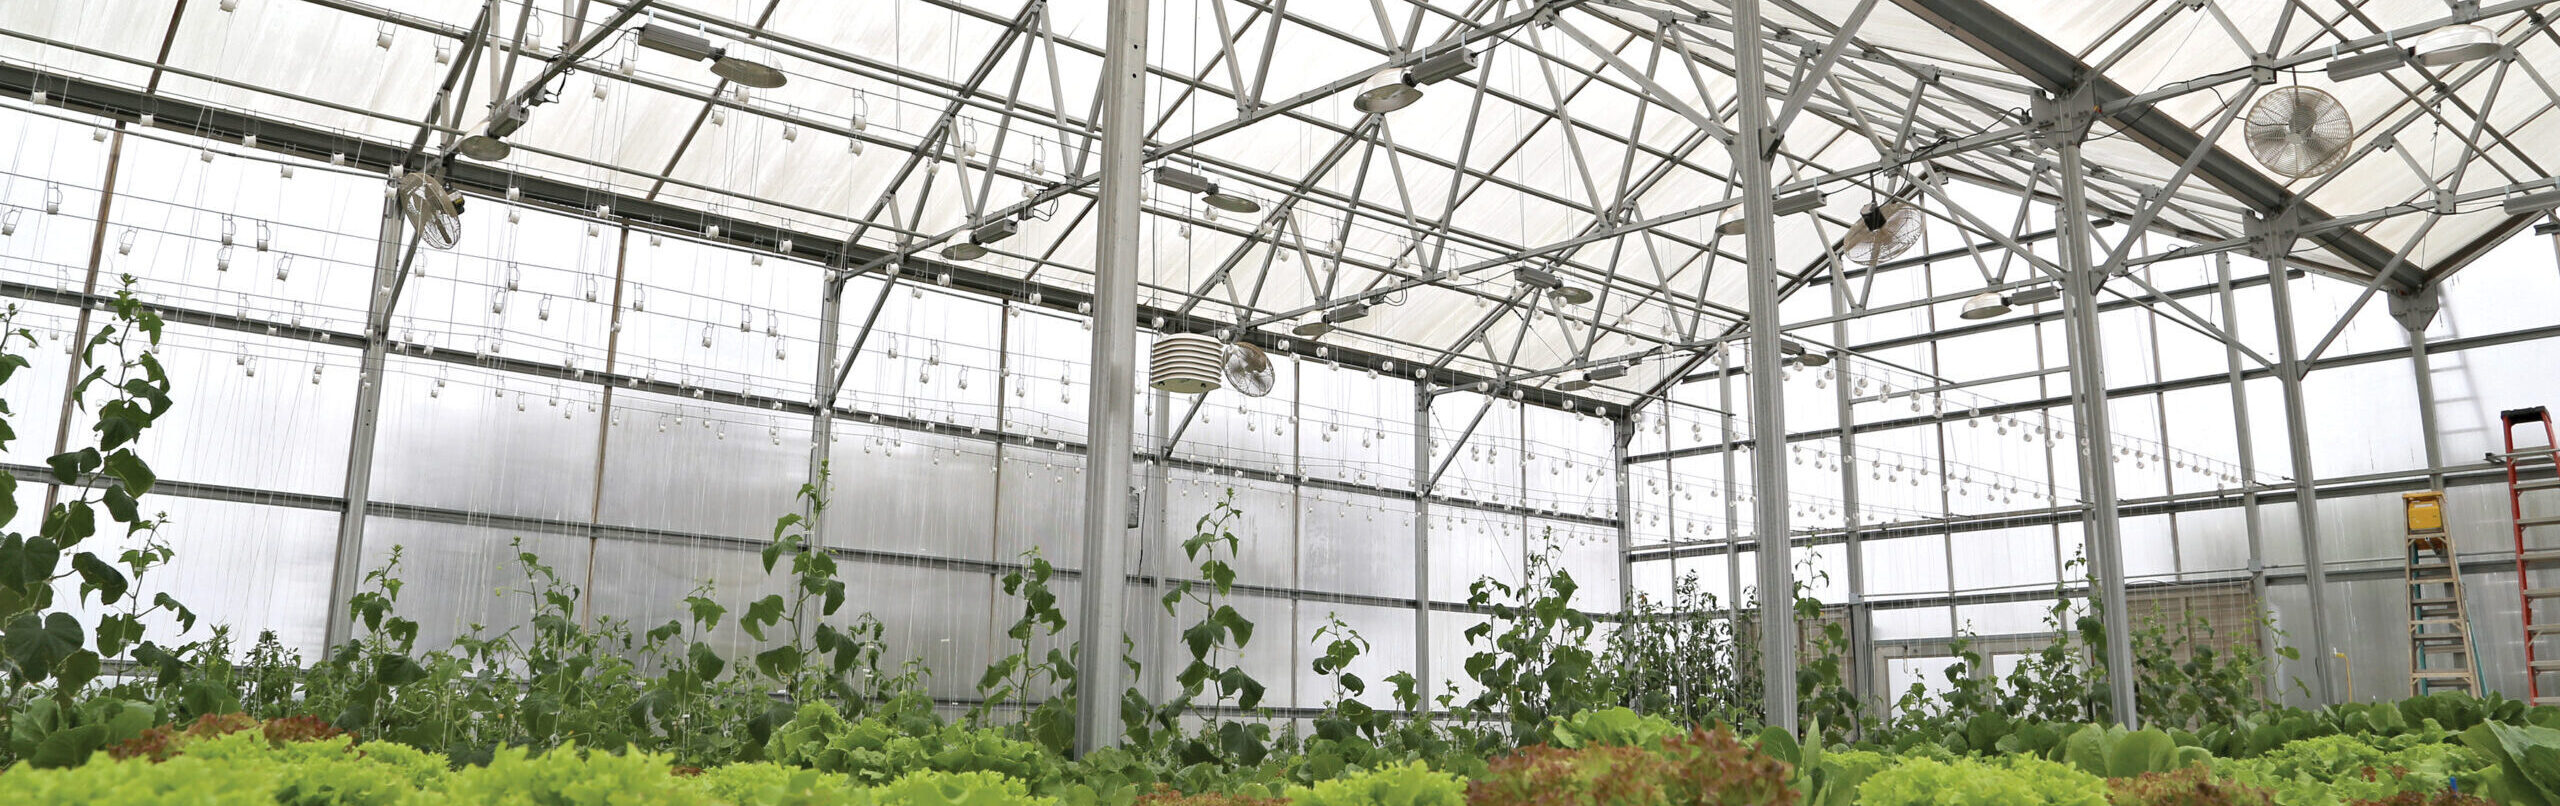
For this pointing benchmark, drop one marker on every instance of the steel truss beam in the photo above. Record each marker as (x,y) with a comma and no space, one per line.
(2028,53)
(188,117)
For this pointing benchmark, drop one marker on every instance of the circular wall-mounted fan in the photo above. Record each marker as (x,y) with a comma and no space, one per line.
(1248,370)
(434,211)
(1881,233)
(2299,132)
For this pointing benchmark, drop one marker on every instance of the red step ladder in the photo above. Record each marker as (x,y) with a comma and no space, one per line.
(2530,469)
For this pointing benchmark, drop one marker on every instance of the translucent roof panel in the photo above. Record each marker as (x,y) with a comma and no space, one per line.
(1589,141)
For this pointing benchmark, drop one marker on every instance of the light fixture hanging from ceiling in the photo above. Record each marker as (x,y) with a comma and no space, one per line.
(1546,280)
(987,233)
(491,145)
(1986,305)
(1207,188)
(696,47)
(2454,44)
(1391,89)
(2378,60)
(2529,203)
(1336,316)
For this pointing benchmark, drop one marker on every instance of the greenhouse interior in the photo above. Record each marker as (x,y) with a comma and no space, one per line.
(730,401)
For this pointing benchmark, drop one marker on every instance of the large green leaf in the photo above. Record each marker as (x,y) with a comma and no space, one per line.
(36,645)
(2140,752)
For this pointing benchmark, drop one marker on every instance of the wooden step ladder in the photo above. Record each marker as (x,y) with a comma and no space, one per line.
(2531,470)
(2440,651)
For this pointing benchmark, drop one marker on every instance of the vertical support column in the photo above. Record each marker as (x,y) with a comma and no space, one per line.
(1114,377)
(2306,498)
(2248,458)
(2089,406)
(1751,150)
(1423,684)
(1732,508)
(1622,436)
(1155,546)
(2415,311)
(1862,652)
(822,392)
(346,563)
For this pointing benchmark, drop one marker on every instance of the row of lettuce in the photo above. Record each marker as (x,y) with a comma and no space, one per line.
(1605,758)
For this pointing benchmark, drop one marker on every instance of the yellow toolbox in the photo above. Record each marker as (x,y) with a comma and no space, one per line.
(2426,510)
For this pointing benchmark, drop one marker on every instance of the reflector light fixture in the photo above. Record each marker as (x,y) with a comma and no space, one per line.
(1546,280)
(2032,296)
(1189,182)
(1331,318)
(1606,372)
(1346,313)
(1805,202)
(2455,44)
(987,233)
(1391,89)
(491,145)
(2368,63)
(2525,203)
(696,47)
(1986,305)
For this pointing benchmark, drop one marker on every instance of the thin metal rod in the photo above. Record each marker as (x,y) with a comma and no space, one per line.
(2250,517)
(1114,377)
(2080,282)
(347,562)
(1424,684)
(2306,497)
(2422,370)
(1751,159)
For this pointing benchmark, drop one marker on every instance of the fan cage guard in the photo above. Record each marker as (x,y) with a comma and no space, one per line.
(2299,132)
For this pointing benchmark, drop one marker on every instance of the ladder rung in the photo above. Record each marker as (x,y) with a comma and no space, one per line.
(2542,593)
(2539,630)
(2544,666)
(2442,674)
(2436,622)
(2546,700)
(2440,639)
(2528,453)
(2546,520)
(2538,484)
(2539,556)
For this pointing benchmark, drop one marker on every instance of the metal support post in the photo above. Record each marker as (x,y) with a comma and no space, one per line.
(1423,683)
(822,392)
(2415,312)
(347,563)
(1622,439)
(1751,160)
(1114,377)
(2080,282)
(2306,496)
(1862,653)
(1732,508)
(1156,546)
(2249,514)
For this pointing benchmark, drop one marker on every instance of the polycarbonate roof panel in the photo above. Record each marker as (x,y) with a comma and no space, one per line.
(1529,150)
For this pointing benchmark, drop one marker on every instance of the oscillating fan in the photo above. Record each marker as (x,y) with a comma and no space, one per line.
(1248,370)
(1881,233)
(434,211)
(2299,132)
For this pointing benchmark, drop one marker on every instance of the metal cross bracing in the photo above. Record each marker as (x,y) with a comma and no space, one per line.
(661,180)
(1611,282)
(1647,235)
